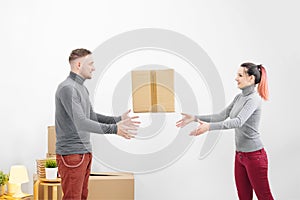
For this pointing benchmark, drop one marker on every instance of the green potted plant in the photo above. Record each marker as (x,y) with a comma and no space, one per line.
(51,169)
(3,181)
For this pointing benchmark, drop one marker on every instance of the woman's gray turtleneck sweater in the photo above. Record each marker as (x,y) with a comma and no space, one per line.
(244,116)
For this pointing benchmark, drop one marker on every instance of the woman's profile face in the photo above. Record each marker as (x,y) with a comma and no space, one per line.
(243,79)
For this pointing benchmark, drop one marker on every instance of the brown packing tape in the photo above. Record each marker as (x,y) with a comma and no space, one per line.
(153,92)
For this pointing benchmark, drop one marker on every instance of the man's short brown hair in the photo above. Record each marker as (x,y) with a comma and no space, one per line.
(78,53)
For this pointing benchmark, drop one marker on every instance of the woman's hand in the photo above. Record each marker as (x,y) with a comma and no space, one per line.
(186,119)
(202,128)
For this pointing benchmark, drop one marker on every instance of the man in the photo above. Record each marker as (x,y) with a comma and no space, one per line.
(75,120)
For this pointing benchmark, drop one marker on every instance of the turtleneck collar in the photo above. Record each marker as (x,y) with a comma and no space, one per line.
(76,78)
(248,90)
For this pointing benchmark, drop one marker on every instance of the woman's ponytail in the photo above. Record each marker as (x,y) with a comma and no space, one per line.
(262,88)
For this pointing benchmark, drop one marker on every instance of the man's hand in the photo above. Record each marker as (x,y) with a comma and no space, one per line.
(127,127)
(186,119)
(202,128)
(125,115)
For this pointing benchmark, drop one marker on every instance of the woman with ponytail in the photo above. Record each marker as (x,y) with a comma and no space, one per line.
(243,115)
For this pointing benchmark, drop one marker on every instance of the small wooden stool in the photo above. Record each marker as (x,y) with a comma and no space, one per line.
(46,186)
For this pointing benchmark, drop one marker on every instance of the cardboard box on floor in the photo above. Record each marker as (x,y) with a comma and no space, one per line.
(102,186)
(153,90)
(111,186)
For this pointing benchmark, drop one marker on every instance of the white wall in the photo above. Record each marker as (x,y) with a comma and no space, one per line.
(37,37)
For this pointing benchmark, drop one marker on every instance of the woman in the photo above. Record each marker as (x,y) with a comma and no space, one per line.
(251,163)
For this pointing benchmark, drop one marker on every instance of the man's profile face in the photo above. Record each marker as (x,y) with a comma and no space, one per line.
(86,67)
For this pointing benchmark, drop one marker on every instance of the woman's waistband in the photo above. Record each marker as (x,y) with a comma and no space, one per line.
(260,151)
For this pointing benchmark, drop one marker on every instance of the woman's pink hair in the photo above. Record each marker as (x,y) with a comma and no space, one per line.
(262,88)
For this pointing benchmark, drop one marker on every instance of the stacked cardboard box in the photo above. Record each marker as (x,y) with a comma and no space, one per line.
(40,163)
(51,142)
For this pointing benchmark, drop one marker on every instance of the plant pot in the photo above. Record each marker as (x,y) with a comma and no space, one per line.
(2,190)
(51,173)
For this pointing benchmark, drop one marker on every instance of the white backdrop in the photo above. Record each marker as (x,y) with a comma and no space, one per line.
(37,36)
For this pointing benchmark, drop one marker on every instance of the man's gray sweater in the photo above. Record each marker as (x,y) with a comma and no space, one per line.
(244,113)
(75,118)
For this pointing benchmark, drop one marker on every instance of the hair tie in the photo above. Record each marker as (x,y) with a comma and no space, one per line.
(259,67)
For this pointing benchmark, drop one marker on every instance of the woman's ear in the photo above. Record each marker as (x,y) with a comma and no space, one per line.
(252,79)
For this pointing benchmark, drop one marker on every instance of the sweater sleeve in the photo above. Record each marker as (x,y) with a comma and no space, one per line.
(72,103)
(224,114)
(103,118)
(247,110)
